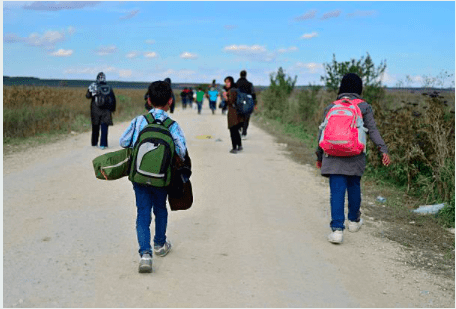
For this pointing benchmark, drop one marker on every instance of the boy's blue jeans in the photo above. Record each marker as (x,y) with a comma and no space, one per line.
(150,199)
(339,184)
(200,106)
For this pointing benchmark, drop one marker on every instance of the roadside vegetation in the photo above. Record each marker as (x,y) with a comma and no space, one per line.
(418,127)
(42,114)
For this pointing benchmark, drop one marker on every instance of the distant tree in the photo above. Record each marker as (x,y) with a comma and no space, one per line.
(280,82)
(364,67)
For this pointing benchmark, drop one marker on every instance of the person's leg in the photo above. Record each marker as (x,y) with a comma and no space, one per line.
(143,219)
(235,136)
(246,125)
(338,186)
(239,136)
(233,131)
(200,106)
(104,135)
(161,215)
(354,197)
(95,134)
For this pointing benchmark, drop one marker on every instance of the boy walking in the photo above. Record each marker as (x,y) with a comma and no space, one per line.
(150,198)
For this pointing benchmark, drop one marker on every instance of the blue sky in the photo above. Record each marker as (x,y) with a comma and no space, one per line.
(201,41)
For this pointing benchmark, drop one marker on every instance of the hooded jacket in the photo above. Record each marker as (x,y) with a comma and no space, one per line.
(98,115)
(351,166)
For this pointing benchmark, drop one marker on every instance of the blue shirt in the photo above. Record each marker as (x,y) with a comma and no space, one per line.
(129,137)
(213,95)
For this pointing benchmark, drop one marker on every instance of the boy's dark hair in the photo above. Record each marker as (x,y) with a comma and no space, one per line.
(159,93)
(243,73)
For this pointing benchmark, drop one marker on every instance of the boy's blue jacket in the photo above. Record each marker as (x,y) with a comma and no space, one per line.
(129,137)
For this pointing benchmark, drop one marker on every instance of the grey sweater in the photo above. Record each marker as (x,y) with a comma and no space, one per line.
(351,166)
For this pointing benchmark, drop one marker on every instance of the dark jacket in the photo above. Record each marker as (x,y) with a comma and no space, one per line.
(245,86)
(351,166)
(233,117)
(98,115)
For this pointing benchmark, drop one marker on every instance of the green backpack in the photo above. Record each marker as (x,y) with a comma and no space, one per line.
(152,154)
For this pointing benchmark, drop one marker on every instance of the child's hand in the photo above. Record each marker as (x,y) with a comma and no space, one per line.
(386,159)
(318,164)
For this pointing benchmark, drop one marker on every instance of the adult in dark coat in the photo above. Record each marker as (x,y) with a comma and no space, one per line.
(245,86)
(235,121)
(100,117)
(345,172)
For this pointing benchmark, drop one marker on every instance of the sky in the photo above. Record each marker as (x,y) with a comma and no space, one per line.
(190,41)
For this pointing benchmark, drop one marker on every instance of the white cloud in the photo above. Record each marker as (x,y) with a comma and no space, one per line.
(62,53)
(309,35)
(47,40)
(245,49)
(309,15)
(150,42)
(132,55)
(311,67)
(332,14)
(150,54)
(59,5)
(12,38)
(106,50)
(253,52)
(287,50)
(187,55)
(125,73)
(130,14)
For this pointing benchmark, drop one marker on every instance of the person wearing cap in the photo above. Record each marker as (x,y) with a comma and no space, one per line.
(100,117)
(345,173)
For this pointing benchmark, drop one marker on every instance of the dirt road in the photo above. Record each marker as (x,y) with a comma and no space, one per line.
(255,236)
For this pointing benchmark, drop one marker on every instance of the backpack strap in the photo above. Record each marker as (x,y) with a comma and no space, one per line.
(167,122)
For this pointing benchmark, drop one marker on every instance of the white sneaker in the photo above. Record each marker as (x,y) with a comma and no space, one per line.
(354,226)
(336,237)
(145,263)
(164,250)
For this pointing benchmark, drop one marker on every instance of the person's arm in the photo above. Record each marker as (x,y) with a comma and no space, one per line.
(179,140)
(374,134)
(253,94)
(126,140)
(319,151)
(231,98)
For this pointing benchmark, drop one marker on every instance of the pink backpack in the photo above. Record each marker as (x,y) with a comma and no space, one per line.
(343,132)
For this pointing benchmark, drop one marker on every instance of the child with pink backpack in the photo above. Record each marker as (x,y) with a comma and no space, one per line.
(341,152)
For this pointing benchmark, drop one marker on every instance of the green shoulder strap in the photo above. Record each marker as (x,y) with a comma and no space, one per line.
(150,119)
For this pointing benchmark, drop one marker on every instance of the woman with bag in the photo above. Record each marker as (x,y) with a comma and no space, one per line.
(235,121)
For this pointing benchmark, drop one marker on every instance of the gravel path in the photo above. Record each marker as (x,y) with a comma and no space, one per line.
(255,236)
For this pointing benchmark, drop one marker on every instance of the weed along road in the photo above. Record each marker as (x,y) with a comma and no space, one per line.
(254,237)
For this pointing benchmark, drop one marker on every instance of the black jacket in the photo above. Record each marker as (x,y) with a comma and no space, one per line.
(98,115)
(243,85)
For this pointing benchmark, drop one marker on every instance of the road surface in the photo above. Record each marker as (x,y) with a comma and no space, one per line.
(255,236)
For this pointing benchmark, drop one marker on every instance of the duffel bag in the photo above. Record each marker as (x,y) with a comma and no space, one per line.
(113,165)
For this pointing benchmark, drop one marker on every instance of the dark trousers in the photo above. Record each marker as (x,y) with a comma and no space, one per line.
(96,133)
(235,136)
(246,124)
